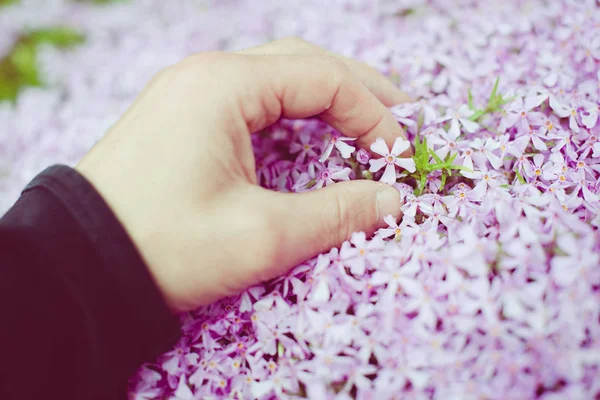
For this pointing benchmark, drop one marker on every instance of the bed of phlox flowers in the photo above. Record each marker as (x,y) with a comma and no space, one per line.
(488,288)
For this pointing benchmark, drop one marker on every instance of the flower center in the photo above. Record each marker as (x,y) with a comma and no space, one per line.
(538,172)
(389,159)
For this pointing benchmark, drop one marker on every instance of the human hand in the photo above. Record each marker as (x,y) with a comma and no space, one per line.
(178,168)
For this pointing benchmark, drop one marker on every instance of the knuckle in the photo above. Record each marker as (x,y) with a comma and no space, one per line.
(338,66)
(338,78)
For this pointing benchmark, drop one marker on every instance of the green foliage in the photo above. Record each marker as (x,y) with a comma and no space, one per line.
(424,167)
(8,2)
(520,177)
(494,104)
(19,68)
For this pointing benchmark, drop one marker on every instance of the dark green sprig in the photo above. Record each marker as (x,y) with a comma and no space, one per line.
(424,167)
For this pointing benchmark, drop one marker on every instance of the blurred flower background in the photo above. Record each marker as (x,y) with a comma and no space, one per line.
(489,288)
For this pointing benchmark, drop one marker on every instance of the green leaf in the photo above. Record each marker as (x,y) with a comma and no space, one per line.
(494,90)
(311,183)
(470,101)
(443,184)
(435,156)
(8,2)
(461,168)
(24,59)
(61,37)
(520,177)
(20,69)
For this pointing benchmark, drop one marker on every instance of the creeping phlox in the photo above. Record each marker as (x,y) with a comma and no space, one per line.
(488,287)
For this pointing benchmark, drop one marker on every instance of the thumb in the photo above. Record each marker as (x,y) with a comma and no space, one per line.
(319,220)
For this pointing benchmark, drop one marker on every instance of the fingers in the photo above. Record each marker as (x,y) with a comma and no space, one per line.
(305,86)
(311,223)
(379,85)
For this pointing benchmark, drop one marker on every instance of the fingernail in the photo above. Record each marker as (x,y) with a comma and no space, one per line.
(388,202)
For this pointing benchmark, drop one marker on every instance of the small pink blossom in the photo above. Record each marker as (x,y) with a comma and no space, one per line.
(391,159)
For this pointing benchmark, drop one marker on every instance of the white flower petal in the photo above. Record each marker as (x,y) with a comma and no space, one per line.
(400,145)
(380,147)
(345,149)
(389,176)
(406,163)
(326,153)
(376,164)
(469,125)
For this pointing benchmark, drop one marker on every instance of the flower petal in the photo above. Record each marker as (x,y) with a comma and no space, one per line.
(389,176)
(469,125)
(400,145)
(376,164)
(345,149)
(380,147)
(326,153)
(406,163)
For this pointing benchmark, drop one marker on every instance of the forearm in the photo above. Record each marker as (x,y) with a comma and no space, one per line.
(80,311)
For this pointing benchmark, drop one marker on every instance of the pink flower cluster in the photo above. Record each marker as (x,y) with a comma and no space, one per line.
(488,288)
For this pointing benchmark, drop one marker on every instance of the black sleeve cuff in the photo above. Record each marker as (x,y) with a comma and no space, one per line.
(123,316)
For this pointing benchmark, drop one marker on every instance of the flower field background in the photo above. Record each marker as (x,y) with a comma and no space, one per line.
(488,288)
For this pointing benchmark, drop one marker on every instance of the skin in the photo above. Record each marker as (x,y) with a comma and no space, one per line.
(178,168)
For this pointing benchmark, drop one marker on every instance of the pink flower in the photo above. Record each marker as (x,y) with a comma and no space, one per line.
(391,159)
(304,148)
(521,115)
(564,111)
(484,150)
(356,257)
(340,143)
(589,116)
(446,140)
(460,117)
(332,173)
(363,156)
(393,230)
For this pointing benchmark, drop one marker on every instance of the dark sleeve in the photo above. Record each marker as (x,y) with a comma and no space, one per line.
(79,311)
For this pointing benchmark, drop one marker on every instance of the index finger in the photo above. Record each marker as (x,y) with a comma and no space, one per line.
(378,84)
(301,86)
